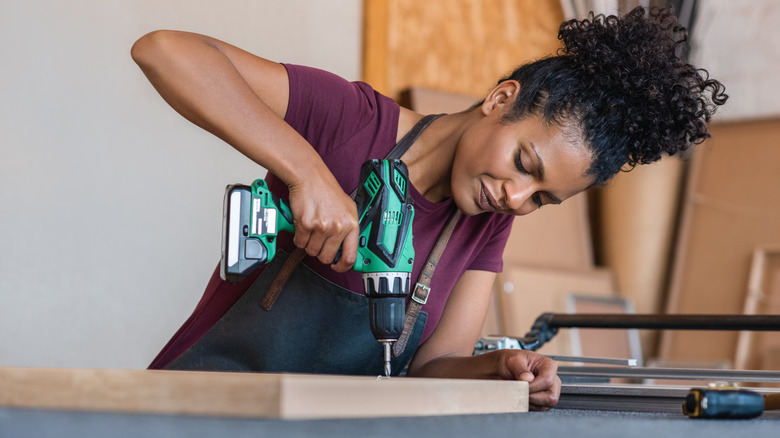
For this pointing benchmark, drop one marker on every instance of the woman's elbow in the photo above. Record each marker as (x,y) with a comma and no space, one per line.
(151,46)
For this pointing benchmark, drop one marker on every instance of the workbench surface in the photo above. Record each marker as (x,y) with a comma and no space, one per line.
(567,423)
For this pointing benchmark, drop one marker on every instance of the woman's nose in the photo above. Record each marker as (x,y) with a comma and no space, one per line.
(519,198)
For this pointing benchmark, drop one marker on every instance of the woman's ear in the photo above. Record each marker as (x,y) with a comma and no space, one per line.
(500,96)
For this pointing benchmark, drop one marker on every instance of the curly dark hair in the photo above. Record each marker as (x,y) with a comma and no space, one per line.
(622,81)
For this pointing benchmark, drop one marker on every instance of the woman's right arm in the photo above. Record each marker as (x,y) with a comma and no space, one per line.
(242,99)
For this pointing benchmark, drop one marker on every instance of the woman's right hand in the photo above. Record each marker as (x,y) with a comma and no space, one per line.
(325,220)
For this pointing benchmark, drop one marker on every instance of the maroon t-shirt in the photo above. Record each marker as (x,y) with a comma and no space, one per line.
(348,123)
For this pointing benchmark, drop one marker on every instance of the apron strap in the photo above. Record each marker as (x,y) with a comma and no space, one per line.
(423,287)
(281,278)
(402,146)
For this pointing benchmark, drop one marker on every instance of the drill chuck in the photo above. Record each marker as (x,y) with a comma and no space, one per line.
(387,292)
(386,317)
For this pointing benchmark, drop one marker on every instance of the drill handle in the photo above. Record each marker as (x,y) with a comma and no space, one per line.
(251,219)
(269,215)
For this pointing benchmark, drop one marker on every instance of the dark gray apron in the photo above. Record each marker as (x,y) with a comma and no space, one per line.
(315,326)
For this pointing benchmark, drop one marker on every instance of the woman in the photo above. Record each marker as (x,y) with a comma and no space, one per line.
(617,95)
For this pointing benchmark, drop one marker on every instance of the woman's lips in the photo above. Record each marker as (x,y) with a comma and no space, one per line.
(486,202)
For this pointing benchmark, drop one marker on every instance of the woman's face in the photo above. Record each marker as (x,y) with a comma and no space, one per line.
(516,167)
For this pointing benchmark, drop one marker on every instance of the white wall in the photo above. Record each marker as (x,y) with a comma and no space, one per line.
(739,43)
(110,202)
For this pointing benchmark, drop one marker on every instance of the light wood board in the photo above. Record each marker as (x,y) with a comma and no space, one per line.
(254,395)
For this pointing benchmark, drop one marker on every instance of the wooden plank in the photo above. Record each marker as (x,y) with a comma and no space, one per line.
(254,395)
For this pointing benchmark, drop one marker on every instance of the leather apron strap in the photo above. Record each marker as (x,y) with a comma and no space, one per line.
(423,287)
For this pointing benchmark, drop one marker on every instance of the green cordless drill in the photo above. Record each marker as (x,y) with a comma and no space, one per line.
(253,217)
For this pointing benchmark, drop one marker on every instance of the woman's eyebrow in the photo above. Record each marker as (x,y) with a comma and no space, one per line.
(540,173)
(539,163)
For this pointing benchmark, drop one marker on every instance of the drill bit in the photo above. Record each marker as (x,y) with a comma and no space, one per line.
(388,354)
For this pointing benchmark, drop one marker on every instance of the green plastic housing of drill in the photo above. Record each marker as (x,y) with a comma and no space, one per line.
(385,253)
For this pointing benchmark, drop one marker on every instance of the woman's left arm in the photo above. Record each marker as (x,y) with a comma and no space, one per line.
(448,352)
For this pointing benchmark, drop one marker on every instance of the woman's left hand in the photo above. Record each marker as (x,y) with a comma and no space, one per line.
(541,373)
(448,351)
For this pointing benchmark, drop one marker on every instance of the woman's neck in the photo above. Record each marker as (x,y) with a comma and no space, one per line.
(430,157)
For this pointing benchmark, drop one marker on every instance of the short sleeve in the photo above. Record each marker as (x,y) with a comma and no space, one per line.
(328,110)
(346,122)
(491,257)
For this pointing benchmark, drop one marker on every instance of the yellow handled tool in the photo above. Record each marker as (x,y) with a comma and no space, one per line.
(728,402)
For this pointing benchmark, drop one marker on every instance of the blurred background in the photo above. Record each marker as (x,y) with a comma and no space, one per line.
(110,202)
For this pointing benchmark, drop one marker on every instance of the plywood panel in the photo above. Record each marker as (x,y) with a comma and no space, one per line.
(283,396)
(375,47)
(461,46)
(732,206)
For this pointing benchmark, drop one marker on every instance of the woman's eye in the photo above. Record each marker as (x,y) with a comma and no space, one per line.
(537,199)
(519,163)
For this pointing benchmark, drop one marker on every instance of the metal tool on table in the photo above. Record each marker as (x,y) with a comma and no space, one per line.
(253,217)
(728,402)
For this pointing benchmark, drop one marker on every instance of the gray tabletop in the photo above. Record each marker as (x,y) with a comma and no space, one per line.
(20,423)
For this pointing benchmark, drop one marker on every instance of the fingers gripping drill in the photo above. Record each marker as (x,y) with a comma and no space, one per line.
(253,217)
